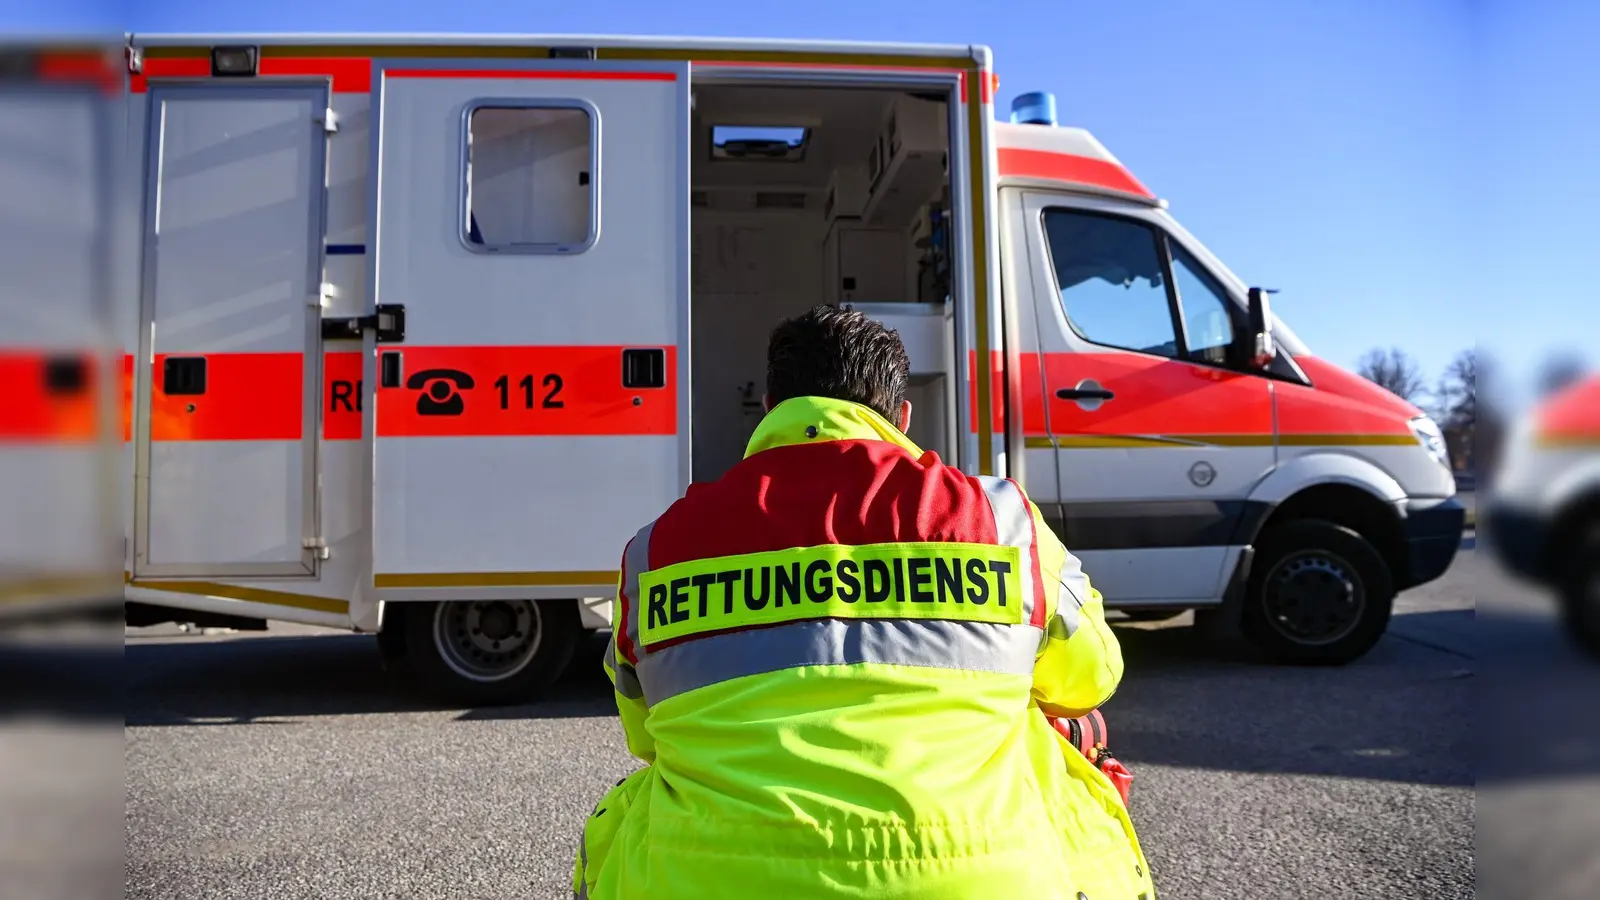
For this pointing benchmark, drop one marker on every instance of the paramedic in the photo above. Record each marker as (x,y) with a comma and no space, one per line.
(837,662)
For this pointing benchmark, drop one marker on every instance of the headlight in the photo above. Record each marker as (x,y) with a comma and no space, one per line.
(1432,439)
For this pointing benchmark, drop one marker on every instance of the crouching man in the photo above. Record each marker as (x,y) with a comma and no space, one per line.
(838,661)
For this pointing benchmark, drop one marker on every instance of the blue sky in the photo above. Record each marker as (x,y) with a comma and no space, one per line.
(1415,173)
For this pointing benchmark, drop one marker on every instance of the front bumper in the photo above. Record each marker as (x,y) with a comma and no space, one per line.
(1518,539)
(1433,536)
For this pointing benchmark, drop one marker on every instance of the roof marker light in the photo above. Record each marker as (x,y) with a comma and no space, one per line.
(1037,108)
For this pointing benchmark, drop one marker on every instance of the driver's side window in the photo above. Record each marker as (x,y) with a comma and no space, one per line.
(1111,281)
(1122,283)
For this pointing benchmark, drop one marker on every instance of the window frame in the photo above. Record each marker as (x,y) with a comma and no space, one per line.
(1163,242)
(464,171)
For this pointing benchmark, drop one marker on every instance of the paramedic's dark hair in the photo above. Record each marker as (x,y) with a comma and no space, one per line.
(841,354)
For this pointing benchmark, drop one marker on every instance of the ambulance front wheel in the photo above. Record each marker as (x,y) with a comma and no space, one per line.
(491,652)
(1319,594)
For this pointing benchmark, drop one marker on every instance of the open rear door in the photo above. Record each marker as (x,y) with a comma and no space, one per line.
(532,221)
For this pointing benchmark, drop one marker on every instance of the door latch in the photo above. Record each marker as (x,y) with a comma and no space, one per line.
(389,321)
(644,368)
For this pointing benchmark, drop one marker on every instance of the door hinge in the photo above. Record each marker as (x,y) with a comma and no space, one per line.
(326,292)
(389,321)
(317,546)
(329,121)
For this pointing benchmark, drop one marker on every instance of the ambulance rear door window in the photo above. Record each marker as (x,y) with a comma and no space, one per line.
(531,182)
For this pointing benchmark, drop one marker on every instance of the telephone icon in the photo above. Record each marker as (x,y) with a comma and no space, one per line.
(440,397)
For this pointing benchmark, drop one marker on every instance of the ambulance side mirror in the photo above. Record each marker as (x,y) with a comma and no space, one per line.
(1259,348)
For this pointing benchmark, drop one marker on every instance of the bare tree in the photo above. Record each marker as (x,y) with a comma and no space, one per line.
(1394,370)
(1560,371)
(1457,397)
(1458,391)
(1490,427)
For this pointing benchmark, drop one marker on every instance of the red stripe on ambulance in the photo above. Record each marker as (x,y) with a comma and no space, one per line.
(1572,414)
(528,391)
(1170,398)
(541,74)
(351,75)
(248,397)
(342,390)
(1340,402)
(49,398)
(505,391)
(1020,163)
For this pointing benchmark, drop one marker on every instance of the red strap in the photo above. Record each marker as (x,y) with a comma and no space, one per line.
(1120,777)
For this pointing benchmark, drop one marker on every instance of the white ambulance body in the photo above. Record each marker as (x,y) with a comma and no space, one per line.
(60,533)
(1542,514)
(428,327)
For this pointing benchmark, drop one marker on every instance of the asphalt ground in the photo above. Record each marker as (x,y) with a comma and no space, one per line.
(288,765)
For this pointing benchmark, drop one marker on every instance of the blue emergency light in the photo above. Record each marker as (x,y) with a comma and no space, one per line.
(1037,108)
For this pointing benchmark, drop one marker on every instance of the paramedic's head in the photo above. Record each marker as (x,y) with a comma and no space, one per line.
(843,355)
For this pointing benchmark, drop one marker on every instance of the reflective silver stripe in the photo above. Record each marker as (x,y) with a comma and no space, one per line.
(635,561)
(1066,615)
(1062,626)
(1073,594)
(1074,584)
(1013,523)
(938,643)
(622,673)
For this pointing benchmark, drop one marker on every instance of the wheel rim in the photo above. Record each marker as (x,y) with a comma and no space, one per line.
(487,640)
(1314,598)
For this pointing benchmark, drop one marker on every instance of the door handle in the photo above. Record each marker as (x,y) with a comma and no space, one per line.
(1084,394)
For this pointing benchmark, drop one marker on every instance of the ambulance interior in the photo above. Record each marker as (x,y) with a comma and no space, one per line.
(803,196)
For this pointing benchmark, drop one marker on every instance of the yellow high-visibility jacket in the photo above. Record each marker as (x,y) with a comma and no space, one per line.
(837,661)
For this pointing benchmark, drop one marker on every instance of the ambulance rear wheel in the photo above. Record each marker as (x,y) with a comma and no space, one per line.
(1319,594)
(491,652)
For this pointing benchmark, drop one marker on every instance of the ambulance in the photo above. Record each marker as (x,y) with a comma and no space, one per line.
(1542,515)
(426,327)
(61,478)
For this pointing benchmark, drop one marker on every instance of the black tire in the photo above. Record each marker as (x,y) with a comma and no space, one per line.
(1580,598)
(1319,594)
(448,646)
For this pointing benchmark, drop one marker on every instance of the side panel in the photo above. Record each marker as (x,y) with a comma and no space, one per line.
(1154,480)
(57,467)
(231,282)
(509,450)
